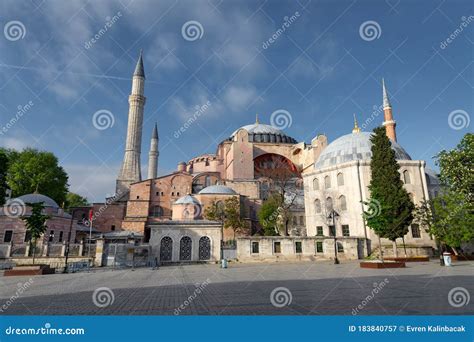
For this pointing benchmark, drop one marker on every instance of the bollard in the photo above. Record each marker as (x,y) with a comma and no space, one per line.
(447,259)
(224,263)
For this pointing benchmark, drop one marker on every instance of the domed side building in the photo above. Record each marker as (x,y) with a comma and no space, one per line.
(340,180)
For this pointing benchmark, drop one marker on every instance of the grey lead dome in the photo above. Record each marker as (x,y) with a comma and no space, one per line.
(354,146)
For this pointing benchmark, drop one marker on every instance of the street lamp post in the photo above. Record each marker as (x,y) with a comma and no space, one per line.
(68,240)
(332,216)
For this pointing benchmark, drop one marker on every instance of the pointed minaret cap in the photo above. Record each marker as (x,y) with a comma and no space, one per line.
(356,128)
(155,132)
(139,71)
(386,101)
(256,119)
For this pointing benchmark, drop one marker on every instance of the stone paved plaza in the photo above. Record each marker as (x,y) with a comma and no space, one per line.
(319,288)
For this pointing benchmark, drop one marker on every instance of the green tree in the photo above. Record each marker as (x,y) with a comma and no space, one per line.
(457,167)
(228,213)
(37,171)
(75,200)
(268,215)
(394,212)
(3,176)
(35,224)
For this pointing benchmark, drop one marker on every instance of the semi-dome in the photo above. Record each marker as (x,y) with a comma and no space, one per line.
(265,133)
(354,146)
(188,199)
(217,190)
(38,198)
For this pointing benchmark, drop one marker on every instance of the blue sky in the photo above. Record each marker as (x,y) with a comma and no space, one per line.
(322,69)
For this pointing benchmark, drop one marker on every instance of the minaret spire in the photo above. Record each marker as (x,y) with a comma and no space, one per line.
(389,123)
(356,128)
(153,154)
(256,119)
(130,171)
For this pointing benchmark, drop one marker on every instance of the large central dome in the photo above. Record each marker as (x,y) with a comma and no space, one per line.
(355,146)
(265,133)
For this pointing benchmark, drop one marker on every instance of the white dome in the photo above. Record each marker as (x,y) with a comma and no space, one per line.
(354,146)
(38,198)
(265,133)
(217,190)
(188,199)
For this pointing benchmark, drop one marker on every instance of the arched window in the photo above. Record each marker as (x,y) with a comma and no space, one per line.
(315,184)
(327,182)
(342,202)
(207,181)
(157,211)
(317,206)
(406,177)
(329,205)
(204,248)
(340,179)
(166,249)
(185,248)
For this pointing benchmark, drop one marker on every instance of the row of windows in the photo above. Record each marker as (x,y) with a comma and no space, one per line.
(298,247)
(342,204)
(345,230)
(8,236)
(340,180)
(295,220)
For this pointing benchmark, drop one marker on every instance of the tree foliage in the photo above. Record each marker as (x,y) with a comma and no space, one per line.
(228,213)
(269,213)
(390,207)
(37,171)
(35,223)
(75,200)
(3,176)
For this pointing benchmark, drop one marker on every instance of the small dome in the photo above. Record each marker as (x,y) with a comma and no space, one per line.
(354,146)
(265,133)
(217,190)
(37,198)
(188,199)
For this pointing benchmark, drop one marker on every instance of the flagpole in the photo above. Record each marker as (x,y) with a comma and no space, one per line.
(90,237)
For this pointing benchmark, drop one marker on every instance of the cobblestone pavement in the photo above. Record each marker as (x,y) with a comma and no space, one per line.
(317,288)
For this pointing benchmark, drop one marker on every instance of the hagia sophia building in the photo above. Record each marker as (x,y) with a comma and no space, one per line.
(167,212)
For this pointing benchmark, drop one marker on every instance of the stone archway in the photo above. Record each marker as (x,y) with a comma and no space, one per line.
(185,248)
(166,249)
(204,248)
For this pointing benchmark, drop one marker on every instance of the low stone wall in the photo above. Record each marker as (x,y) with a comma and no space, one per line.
(298,248)
(411,251)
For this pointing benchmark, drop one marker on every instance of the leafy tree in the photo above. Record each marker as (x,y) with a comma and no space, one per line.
(457,167)
(228,213)
(394,206)
(35,224)
(268,215)
(3,176)
(37,171)
(75,200)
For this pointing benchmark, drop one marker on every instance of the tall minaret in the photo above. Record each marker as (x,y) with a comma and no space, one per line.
(153,154)
(130,171)
(389,123)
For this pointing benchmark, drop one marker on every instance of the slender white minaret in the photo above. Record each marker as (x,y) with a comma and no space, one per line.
(389,123)
(130,171)
(153,154)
